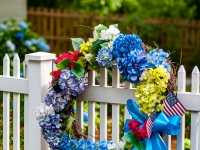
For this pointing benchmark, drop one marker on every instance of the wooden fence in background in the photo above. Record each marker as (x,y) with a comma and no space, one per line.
(58,26)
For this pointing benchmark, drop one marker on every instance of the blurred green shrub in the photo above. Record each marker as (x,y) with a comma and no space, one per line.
(19,38)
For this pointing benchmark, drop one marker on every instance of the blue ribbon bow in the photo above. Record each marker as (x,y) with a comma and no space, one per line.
(163,123)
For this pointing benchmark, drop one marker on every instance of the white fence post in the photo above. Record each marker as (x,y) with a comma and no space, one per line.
(38,73)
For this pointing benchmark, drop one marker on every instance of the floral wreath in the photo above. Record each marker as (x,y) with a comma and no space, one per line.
(157,110)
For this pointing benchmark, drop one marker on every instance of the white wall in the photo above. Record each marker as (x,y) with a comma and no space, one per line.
(13,9)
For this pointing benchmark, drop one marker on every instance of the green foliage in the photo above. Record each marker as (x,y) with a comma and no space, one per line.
(141,8)
(78,70)
(187,144)
(63,64)
(76,42)
(97,45)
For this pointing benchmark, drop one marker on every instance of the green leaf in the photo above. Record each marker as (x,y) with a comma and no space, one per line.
(98,30)
(68,104)
(62,115)
(68,123)
(97,44)
(76,42)
(78,70)
(128,146)
(82,61)
(63,64)
(129,137)
(101,28)
(104,44)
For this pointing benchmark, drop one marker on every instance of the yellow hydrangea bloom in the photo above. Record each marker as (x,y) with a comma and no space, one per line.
(151,92)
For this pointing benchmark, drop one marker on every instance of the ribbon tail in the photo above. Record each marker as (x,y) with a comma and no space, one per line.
(133,109)
(155,143)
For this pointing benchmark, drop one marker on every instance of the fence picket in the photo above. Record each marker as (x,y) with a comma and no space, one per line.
(181,89)
(6,107)
(115,107)
(16,107)
(128,85)
(115,123)
(115,77)
(195,114)
(103,77)
(103,106)
(91,78)
(91,121)
(103,118)
(79,114)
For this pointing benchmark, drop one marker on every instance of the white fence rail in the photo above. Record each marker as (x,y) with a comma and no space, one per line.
(37,80)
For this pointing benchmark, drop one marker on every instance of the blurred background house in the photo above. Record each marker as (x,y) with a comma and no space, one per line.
(13,9)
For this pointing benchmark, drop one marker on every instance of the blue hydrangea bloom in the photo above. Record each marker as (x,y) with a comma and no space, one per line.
(28,43)
(123,44)
(105,58)
(57,100)
(85,116)
(69,83)
(157,57)
(130,57)
(19,35)
(51,131)
(3,27)
(23,25)
(73,144)
(42,45)
(21,74)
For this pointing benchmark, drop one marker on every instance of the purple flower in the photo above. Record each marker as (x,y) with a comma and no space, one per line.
(57,100)
(69,83)
(51,131)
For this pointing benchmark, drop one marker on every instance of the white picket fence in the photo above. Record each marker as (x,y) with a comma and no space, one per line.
(35,84)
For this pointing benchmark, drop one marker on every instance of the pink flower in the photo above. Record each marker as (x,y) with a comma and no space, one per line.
(135,128)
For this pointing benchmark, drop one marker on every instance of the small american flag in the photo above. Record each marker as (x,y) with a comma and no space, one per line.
(172,106)
(150,122)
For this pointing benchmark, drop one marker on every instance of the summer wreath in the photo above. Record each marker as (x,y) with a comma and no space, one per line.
(157,110)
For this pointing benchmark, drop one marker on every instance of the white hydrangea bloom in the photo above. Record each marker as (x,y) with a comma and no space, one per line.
(10,45)
(43,110)
(111,146)
(109,33)
(95,34)
(114,30)
(88,57)
(120,145)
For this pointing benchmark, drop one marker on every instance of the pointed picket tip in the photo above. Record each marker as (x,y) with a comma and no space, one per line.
(6,57)
(181,69)
(16,57)
(195,70)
